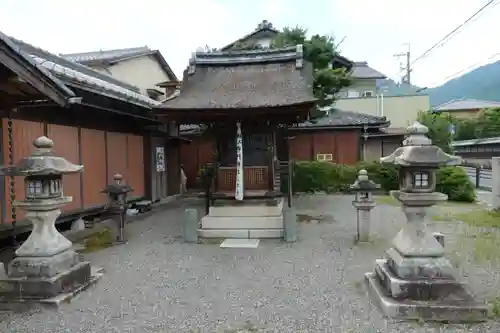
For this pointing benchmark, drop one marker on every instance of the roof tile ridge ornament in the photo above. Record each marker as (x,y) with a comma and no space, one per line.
(244,57)
(299,62)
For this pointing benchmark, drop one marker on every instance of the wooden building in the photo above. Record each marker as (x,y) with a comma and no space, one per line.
(262,91)
(340,137)
(93,119)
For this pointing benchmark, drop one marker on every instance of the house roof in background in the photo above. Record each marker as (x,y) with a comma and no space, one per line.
(245,79)
(263,28)
(45,77)
(83,77)
(466,104)
(110,57)
(338,118)
(361,70)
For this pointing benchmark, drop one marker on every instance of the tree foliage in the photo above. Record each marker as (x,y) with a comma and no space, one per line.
(485,125)
(320,51)
(439,128)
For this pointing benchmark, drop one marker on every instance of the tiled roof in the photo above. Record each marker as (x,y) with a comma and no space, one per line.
(361,70)
(58,84)
(338,118)
(245,79)
(73,73)
(334,119)
(264,27)
(466,104)
(109,57)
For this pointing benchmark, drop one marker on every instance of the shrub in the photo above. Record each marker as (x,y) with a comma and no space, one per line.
(454,181)
(310,177)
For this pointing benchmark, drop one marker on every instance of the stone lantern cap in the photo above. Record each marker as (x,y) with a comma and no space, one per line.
(418,150)
(363,184)
(117,187)
(42,161)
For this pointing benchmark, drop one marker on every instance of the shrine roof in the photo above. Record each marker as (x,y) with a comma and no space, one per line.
(245,79)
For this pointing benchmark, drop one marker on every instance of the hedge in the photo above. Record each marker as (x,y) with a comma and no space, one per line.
(310,177)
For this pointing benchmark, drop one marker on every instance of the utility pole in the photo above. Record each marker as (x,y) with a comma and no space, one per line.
(407,68)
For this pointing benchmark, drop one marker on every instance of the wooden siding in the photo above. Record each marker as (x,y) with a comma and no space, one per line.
(24,133)
(94,166)
(135,164)
(102,154)
(66,145)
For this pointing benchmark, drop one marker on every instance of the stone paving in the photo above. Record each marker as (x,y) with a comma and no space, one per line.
(157,283)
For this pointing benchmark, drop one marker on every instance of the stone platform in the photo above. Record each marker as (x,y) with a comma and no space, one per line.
(20,293)
(258,218)
(440,299)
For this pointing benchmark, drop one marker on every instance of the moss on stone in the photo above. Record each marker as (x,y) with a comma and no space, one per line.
(98,241)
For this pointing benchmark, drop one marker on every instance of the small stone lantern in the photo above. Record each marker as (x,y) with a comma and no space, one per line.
(415,280)
(364,204)
(117,204)
(45,265)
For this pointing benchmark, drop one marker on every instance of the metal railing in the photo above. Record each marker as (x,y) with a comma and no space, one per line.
(480,176)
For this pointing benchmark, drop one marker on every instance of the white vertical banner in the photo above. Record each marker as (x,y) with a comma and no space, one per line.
(239,163)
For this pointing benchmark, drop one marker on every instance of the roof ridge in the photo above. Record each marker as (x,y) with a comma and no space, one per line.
(31,49)
(145,47)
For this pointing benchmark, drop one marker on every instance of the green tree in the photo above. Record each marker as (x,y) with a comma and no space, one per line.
(488,123)
(439,128)
(319,51)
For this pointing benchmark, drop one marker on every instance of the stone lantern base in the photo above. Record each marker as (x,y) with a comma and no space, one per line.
(437,299)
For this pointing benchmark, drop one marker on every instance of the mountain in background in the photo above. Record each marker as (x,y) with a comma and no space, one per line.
(482,83)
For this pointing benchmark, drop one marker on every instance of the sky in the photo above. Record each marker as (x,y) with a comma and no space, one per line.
(374,30)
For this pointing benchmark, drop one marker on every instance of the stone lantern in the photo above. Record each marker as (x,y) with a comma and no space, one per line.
(45,265)
(117,204)
(416,281)
(364,204)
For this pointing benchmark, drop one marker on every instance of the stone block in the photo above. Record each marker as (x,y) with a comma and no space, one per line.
(447,309)
(419,267)
(265,233)
(42,266)
(224,233)
(242,222)
(418,289)
(41,288)
(191,224)
(290,224)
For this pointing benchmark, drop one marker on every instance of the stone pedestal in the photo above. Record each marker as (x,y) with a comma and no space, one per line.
(191,224)
(46,269)
(416,281)
(363,210)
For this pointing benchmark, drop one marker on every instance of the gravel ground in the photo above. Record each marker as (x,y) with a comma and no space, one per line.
(157,283)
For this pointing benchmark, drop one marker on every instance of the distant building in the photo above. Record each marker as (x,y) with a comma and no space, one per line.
(466,107)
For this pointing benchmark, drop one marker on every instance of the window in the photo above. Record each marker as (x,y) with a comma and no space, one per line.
(421,180)
(368,93)
(34,187)
(352,93)
(324,157)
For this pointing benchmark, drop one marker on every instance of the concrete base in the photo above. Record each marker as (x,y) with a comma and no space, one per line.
(424,299)
(247,219)
(36,267)
(13,303)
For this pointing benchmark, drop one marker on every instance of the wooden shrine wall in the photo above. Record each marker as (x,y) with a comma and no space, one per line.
(102,154)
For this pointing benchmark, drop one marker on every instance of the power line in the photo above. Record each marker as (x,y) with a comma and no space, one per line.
(452,33)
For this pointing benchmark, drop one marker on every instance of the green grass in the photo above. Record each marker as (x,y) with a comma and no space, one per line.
(475,218)
(390,201)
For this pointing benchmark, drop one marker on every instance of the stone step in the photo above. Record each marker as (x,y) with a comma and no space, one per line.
(242,222)
(240,233)
(247,210)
